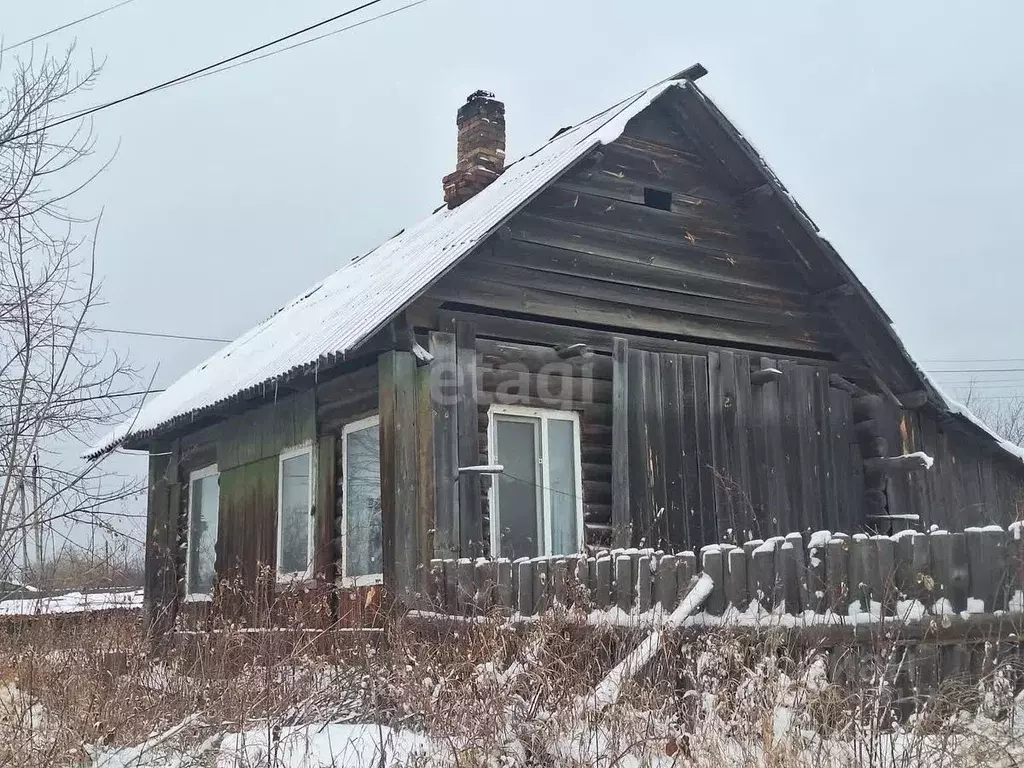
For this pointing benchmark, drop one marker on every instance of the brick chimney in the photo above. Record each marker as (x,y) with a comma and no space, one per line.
(481,153)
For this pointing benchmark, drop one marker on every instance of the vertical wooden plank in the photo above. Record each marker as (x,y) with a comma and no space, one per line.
(435,586)
(821,425)
(705,453)
(885,554)
(451,585)
(722,399)
(748,551)
(324,509)
(387,373)
(486,583)
(541,584)
(786,575)
(759,468)
(159,547)
(676,533)
(762,560)
(689,444)
(644,584)
(524,585)
(736,578)
(471,524)
(465,578)
(748,518)
(504,598)
(560,581)
(816,583)
(665,582)
(639,475)
(686,569)
(602,585)
(623,582)
(862,571)
(803,580)
(840,429)
(776,493)
(989,566)
(712,563)
(789,396)
(810,468)
(399,509)
(655,429)
(620,443)
(445,383)
(837,553)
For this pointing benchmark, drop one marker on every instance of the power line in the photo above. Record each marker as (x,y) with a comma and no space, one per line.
(130,332)
(154,334)
(978,371)
(195,73)
(304,42)
(62,27)
(976,360)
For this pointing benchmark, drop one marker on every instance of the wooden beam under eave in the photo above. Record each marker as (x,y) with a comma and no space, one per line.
(399,476)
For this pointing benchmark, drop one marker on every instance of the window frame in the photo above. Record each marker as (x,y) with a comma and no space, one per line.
(305,448)
(369,579)
(210,470)
(544,521)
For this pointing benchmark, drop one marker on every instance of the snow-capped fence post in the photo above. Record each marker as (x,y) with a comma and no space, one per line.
(736,578)
(665,582)
(713,567)
(989,568)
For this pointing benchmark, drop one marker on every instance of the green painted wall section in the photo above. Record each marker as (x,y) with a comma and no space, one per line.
(266,431)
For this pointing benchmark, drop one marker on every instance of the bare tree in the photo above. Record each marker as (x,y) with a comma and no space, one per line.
(58,384)
(1004,415)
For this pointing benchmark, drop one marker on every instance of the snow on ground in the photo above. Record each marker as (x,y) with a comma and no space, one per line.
(72,602)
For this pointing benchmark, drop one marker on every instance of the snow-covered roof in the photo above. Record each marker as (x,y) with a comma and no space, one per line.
(72,602)
(338,314)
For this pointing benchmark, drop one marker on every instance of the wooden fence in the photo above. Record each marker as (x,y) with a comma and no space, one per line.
(823,579)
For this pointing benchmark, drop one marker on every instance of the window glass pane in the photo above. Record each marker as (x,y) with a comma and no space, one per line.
(294,519)
(362,503)
(561,458)
(517,487)
(202,535)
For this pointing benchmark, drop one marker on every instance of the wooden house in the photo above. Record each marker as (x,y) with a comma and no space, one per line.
(632,335)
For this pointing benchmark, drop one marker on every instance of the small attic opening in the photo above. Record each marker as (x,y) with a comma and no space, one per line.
(657,198)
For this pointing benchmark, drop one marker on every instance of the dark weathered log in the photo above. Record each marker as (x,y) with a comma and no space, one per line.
(894,464)
(840,382)
(911,401)
(572,350)
(765,376)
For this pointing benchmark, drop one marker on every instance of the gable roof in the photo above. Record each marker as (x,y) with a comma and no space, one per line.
(330,321)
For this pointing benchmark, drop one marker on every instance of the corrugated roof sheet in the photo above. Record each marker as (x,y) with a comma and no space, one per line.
(338,314)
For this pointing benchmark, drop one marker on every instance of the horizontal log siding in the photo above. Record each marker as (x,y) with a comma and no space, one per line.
(510,373)
(589,251)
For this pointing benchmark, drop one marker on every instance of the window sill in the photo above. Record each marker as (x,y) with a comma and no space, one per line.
(372,580)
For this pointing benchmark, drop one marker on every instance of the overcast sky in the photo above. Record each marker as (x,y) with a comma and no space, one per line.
(896,126)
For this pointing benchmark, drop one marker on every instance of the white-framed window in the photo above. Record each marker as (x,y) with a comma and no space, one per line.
(537,502)
(203,521)
(295,523)
(361,555)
